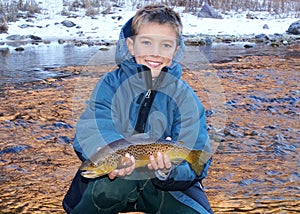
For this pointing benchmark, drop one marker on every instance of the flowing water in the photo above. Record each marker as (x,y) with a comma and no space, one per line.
(37,61)
(255,167)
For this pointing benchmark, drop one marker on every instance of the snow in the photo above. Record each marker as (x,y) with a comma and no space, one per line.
(47,25)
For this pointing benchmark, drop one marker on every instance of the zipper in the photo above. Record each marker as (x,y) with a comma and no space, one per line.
(144,111)
(148,94)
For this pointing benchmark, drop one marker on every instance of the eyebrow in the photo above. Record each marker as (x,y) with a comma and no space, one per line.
(164,40)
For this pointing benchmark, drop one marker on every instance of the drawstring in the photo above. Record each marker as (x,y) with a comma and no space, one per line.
(162,202)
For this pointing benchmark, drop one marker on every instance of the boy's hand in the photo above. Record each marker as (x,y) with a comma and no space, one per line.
(162,162)
(123,172)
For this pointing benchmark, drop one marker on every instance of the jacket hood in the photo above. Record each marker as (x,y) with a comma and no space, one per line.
(123,54)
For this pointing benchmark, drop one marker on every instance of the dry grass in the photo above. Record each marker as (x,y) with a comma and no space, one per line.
(280,8)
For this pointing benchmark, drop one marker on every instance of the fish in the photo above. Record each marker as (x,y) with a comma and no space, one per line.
(112,156)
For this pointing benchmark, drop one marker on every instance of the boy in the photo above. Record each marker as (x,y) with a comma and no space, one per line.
(144,95)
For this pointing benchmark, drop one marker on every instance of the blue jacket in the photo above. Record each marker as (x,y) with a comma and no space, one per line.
(176,112)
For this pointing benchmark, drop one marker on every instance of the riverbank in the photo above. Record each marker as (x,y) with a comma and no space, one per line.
(255,167)
(18,42)
(78,28)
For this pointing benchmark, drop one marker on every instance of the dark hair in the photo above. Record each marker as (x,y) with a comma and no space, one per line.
(158,13)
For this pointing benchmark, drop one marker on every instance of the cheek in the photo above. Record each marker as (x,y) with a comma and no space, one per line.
(167,61)
(139,60)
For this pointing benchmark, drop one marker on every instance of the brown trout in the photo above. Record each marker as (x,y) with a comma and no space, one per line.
(112,156)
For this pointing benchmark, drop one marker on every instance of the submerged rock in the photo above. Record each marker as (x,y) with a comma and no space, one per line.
(14,149)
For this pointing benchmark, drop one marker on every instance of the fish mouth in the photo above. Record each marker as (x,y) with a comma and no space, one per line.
(90,174)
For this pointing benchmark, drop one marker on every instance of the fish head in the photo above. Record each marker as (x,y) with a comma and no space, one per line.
(99,168)
(94,169)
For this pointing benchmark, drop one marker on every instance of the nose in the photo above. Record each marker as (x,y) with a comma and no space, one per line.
(156,50)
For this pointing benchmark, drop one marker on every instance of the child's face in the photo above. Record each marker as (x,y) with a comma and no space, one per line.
(154,46)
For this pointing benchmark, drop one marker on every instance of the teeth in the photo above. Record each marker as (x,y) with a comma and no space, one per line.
(154,64)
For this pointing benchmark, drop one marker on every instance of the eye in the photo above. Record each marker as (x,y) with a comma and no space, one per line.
(146,42)
(167,45)
(94,164)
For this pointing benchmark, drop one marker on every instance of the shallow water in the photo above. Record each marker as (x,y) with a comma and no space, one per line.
(37,61)
(255,168)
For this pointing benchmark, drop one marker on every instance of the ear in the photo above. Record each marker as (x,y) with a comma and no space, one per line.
(129,43)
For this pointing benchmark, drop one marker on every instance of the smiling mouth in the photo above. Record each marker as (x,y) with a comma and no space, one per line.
(153,64)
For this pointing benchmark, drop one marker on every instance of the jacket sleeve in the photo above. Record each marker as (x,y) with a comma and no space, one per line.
(180,178)
(96,127)
(189,126)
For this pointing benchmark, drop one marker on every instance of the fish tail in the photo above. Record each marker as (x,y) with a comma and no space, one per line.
(197,159)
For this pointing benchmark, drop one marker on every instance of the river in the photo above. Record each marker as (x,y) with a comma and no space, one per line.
(255,167)
(36,61)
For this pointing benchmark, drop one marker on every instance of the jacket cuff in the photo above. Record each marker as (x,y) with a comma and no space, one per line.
(163,174)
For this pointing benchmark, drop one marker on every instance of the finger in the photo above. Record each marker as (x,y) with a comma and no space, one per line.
(150,166)
(153,162)
(160,160)
(121,172)
(112,175)
(167,162)
(130,169)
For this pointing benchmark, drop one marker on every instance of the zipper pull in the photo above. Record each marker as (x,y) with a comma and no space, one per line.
(148,93)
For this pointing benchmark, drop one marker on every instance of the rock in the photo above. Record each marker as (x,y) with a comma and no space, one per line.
(117,18)
(107,11)
(208,41)
(15,37)
(4,51)
(14,149)
(68,23)
(3,28)
(65,139)
(103,48)
(61,41)
(208,12)
(249,45)
(251,16)
(294,28)
(19,49)
(36,38)
(261,38)
(192,42)
(266,26)
(23,26)
(275,44)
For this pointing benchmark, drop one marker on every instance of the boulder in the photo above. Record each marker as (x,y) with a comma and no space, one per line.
(208,12)
(68,23)
(294,28)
